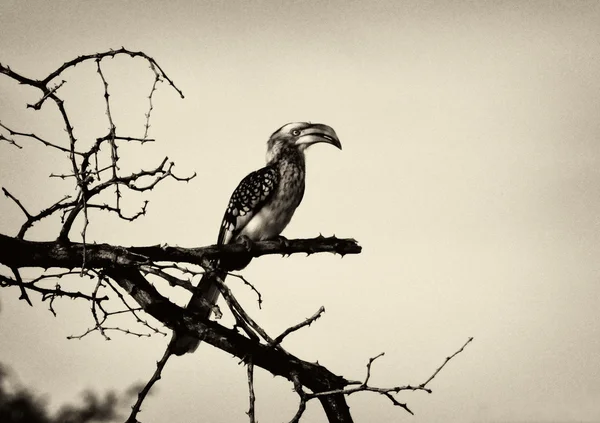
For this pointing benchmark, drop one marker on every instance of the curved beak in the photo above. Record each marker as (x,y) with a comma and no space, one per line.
(318,132)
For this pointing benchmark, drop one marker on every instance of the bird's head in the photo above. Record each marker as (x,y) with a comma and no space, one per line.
(299,136)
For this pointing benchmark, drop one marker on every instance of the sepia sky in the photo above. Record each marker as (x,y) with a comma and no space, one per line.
(470,175)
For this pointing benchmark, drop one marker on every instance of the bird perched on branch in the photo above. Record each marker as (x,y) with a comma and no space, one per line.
(259,209)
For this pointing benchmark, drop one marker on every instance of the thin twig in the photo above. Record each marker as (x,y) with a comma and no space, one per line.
(86,222)
(150,105)
(119,212)
(173,280)
(38,105)
(12,197)
(235,307)
(95,313)
(246,282)
(35,137)
(114,156)
(110,53)
(446,362)
(109,329)
(10,141)
(134,311)
(371,360)
(49,293)
(303,398)
(252,397)
(19,281)
(387,392)
(300,325)
(119,137)
(156,376)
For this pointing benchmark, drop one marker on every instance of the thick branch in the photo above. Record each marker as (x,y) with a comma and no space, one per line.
(314,376)
(22,253)
(6,70)
(119,264)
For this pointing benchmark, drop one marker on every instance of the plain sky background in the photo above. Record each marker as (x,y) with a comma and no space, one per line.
(470,175)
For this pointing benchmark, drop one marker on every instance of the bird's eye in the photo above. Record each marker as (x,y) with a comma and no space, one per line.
(296,132)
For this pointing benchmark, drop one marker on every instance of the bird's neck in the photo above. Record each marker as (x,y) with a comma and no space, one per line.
(287,157)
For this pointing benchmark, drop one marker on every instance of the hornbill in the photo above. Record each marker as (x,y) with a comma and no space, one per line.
(259,209)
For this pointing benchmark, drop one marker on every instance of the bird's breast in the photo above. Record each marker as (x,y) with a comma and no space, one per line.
(276,213)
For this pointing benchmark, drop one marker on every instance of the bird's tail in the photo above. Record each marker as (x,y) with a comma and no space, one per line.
(201,304)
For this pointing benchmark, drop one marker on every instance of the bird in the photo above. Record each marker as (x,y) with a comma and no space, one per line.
(259,209)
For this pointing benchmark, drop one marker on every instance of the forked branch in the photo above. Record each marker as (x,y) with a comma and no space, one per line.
(120,273)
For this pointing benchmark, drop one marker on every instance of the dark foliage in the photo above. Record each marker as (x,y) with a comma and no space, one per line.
(20,404)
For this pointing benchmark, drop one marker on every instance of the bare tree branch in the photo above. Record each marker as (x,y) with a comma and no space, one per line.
(247,283)
(157,79)
(10,141)
(423,385)
(121,271)
(300,325)
(18,203)
(81,171)
(111,53)
(156,376)
(49,293)
(303,398)
(317,378)
(38,105)
(23,253)
(21,285)
(251,395)
(12,132)
(387,392)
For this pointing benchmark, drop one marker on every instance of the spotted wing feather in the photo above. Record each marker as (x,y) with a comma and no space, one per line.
(247,199)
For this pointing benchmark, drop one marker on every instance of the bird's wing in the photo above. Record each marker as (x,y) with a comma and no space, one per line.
(247,199)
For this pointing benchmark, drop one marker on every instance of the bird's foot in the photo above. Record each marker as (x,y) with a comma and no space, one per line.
(246,242)
(284,245)
(283,242)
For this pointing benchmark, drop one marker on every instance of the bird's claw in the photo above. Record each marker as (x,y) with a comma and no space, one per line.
(246,242)
(283,242)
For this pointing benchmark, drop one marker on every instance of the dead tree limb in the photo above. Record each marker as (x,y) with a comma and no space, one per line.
(118,273)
